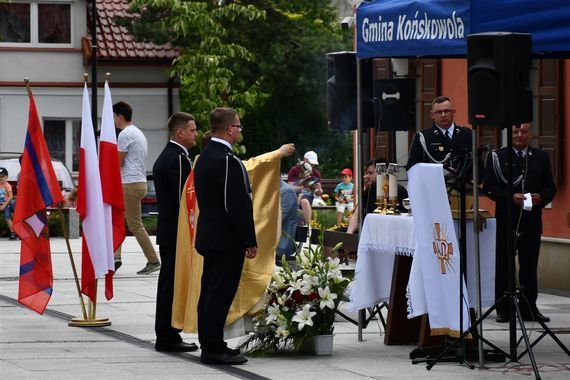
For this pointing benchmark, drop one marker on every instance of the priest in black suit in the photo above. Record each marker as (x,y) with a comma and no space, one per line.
(225,233)
(170,172)
(531,175)
(445,142)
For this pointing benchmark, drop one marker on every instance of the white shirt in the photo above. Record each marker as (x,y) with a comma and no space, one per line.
(132,141)
(216,139)
(450,129)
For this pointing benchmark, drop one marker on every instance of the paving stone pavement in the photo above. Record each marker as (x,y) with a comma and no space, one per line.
(34,346)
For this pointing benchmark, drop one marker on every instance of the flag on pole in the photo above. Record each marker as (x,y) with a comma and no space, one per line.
(95,261)
(111,185)
(37,189)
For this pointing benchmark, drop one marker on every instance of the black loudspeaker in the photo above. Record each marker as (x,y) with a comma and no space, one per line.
(371,110)
(397,103)
(341,90)
(498,78)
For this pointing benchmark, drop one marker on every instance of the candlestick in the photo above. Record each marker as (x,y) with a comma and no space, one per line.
(393,186)
(379,184)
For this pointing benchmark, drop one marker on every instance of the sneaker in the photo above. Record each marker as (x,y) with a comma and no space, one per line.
(150,268)
(13,236)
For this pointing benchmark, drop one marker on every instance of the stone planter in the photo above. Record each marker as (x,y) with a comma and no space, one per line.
(318,345)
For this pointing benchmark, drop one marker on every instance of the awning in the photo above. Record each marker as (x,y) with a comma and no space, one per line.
(439,28)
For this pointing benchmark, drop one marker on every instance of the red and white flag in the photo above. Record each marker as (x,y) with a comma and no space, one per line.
(111,184)
(97,254)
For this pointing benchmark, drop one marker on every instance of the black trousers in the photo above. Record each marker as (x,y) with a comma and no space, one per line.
(528,248)
(220,280)
(166,335)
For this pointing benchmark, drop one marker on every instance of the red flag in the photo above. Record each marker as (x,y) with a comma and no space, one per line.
(111,184)
(97,253)
(37,189)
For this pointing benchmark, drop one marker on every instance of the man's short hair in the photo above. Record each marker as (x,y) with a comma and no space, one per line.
(124,109)
(179,120)
(440,99)
(377,160)
(221,118)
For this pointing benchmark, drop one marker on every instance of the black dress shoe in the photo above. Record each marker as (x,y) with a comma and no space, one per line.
(502,318)
(232,351)
(177,347)
(536,316)
(224,358)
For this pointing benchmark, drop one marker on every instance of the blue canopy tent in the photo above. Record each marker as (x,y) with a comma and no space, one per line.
(439,28)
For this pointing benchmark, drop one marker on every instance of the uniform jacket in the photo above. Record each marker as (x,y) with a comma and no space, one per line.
(170,171)
(438,146)
(537,178)
(223,192)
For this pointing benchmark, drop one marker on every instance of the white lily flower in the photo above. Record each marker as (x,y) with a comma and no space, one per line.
(304,317)
(274,313)
(282,332)
(333,263)
(327,298)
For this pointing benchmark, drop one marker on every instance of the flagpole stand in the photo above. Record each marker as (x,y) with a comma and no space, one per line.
(91,320)
(96,322)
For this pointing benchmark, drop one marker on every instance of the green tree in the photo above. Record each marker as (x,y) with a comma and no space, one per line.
(264,58)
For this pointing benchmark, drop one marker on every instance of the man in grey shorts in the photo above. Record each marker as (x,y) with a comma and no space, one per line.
(132,147)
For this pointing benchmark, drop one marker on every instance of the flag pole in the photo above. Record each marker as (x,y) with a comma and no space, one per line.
(75,277)
(65,234)
(90,320)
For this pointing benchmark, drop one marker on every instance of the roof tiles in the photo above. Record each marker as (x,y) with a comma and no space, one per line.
(114,42)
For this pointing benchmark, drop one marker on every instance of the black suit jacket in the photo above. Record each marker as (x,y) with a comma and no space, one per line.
(438,146)
(170,172)
(537,174)
(223,192)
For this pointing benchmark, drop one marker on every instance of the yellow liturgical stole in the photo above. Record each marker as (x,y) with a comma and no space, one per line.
(264,177)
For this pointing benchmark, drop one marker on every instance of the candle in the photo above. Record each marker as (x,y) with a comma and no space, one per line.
(393,187)
(379,184)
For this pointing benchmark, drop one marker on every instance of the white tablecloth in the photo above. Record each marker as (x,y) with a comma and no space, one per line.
(384,236)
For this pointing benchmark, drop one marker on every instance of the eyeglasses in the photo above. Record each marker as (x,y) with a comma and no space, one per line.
(238,126)
(443,112)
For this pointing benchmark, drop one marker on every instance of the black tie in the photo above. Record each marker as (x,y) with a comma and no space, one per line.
(520,154)
(447,134)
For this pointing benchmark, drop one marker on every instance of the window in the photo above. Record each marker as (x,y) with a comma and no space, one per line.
(63,139)
(35,23)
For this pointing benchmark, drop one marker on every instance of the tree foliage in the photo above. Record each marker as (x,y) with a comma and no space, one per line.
(265,58)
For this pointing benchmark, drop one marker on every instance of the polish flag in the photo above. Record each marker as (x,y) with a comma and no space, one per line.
(111,184)
(97,253)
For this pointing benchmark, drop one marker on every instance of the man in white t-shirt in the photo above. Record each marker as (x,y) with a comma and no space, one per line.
(132,147)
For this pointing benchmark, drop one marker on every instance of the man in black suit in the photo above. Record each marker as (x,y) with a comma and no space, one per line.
(170,172)
(444,142)
(225,233)
(531,175)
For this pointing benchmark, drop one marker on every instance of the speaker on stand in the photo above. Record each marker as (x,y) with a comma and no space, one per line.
(341,90)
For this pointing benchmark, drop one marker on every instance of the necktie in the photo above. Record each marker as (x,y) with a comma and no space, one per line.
(447,134)
(520,154)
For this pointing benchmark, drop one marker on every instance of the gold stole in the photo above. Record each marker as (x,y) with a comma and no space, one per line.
(263,173)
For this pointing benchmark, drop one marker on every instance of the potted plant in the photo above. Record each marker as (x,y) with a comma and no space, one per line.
(300,304)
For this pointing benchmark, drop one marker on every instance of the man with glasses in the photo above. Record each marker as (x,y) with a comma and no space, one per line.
(225,234)
(444,142)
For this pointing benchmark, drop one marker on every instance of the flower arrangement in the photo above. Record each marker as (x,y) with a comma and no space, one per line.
(300,303)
